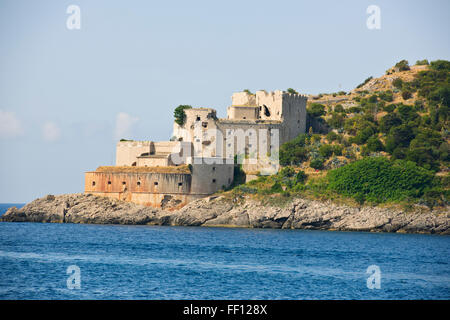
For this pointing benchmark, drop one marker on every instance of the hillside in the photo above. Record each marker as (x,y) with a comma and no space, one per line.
(386,141)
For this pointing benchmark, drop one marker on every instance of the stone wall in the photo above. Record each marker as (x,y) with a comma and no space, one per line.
(153,161)
(294,116)
(142,188)
(209,177)
(150,188)
(128,151)
(243,99)
(243,113)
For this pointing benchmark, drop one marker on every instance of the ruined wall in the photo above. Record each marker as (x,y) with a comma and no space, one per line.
(163,147)
(243,99)
(270,103)
(243,113)
(128,151)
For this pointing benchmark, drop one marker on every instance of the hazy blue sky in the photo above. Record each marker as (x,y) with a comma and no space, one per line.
(67,95)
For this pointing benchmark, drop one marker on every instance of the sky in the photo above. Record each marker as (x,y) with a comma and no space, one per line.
(67,95)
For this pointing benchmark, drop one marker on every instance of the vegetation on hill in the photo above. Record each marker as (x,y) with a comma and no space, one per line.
(386,145)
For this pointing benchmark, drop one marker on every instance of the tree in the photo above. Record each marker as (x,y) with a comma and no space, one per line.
(180,115)
(291,91)
(398,83)
(294,152)
(332,136)
(401,136)
(440,65)
(402,65)
(386,96)
(422,62)
(406,113)
(316,110)
(300,177)
(287,172)
(363,135)
(441,95)
(388,121)
(316,164)
(337,120)
(374,144)
(339,108)
(406,94)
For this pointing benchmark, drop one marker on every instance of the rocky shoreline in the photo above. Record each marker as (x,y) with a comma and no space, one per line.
(219,211)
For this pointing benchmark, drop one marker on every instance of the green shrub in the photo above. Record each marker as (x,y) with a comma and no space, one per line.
(276,188)
(386,96)
(419,105)
(389,107)
(377,179)
(337,120)
(332,136)
(363,135)
(316,164)
(339,108)
(436,197)
(300,177)
(440,65)
(287,172)
(373,98)
(374,144)
(402,65)
(365,81)
(294,152)
(401,136)
(441,95)
(327,150)
(316,110)
(406,94)
(398,83)
(389,121)
(422,62)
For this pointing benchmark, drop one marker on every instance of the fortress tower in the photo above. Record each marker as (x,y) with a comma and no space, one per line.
(199,159)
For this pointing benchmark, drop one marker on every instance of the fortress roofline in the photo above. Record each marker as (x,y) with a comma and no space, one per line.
(200,108)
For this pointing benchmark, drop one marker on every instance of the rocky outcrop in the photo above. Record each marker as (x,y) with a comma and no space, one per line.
(220,211)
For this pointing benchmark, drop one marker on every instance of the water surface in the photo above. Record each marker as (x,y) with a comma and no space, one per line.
(152,262)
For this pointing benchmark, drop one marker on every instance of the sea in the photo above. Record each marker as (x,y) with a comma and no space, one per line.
(77,261)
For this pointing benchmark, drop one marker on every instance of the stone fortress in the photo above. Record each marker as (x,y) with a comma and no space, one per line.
(200,158)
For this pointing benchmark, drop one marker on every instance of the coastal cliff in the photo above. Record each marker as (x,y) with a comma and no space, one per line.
(220,211)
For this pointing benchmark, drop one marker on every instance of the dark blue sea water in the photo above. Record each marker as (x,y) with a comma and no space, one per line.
(150,262)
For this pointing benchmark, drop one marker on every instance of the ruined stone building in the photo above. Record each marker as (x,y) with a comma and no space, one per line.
(199,159)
